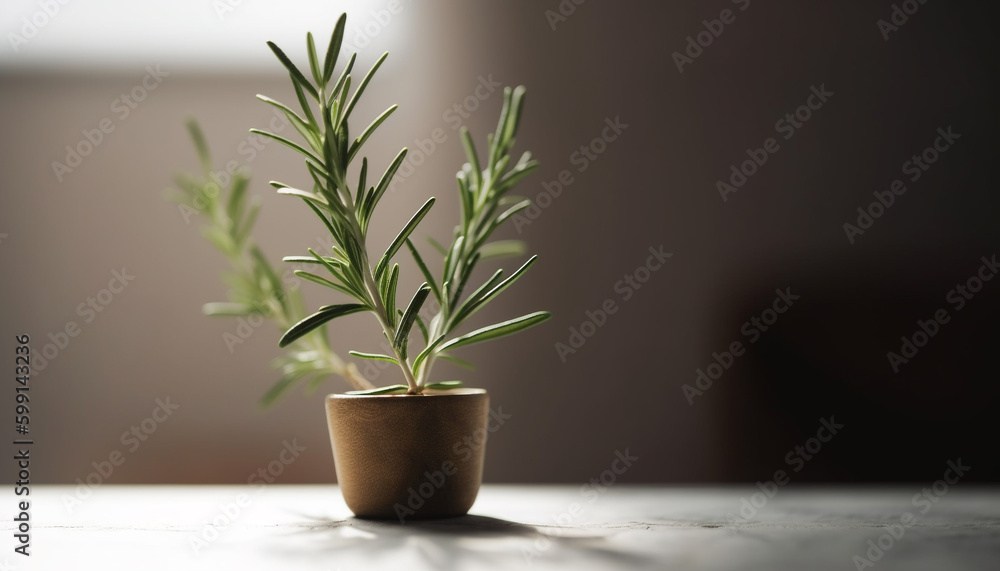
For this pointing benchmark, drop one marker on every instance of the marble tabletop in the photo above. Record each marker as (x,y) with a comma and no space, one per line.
(513,526)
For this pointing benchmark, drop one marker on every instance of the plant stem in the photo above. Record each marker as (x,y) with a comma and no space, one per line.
(469,245)
(343,192)
(388,330)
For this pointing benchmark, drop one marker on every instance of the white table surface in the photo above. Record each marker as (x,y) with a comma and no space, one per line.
(510,527)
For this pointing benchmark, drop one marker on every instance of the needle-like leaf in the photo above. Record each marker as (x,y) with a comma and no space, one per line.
(460,362)
(376,357)
(344,75)
(469,308)
(317,73)
(406,321)
(325,314)
(391,389)
(390,293)
(444,385)
(323,282)
(356,145)
(296,74)
(292,145)
(502,248)
(194,130)
(333,52)
(470,154)
(228,309)
(237,194)
(424,270)
(304,129)
(397,242)
(303,102)
(242,230)
(304,260)
(371,201)
(361,87)
(497,330)
(312,198)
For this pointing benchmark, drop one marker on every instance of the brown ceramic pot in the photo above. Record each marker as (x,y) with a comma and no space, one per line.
(409,456)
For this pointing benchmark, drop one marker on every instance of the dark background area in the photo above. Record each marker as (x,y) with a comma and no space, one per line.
(655,185)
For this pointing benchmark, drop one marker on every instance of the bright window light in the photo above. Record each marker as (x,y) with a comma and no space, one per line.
(211,35)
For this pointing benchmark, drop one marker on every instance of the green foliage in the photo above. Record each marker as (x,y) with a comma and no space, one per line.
(254,285)
(483,185)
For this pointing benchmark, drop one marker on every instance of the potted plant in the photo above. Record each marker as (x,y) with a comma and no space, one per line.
(395,447)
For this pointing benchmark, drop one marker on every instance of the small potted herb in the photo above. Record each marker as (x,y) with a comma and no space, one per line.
(395,446)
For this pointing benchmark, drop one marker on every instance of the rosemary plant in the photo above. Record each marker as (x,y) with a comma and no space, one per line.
(326,105)
(255,287)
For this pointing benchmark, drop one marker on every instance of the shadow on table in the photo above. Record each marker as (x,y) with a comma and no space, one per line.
(452,543)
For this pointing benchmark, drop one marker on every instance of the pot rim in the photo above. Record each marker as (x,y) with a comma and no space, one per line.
(461,392)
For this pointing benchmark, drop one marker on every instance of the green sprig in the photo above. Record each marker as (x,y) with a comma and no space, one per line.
(329,152)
